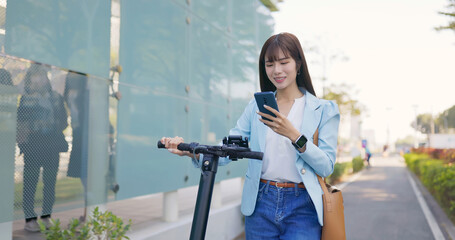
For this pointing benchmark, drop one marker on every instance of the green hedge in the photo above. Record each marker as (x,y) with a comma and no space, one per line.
(338,171)
(357,164)
(437,176)
(341,169)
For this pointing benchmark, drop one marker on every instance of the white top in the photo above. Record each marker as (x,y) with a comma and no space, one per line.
(279,154)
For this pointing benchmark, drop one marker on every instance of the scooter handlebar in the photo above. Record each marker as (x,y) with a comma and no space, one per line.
(252,155)
(181,146)
(190,147)
(161,145)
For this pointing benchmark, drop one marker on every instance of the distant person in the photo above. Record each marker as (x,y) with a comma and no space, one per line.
(76,97)
(385,153)
(282,198)
(41,117)
(367,155)
(5,77)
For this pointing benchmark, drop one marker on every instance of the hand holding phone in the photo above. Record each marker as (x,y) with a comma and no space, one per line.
(266,98)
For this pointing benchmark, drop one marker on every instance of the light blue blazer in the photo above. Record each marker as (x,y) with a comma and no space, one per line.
(318,113)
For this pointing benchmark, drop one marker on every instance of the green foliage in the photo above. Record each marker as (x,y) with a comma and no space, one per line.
(270,5)
(66,190)
(448,155)
(357,164)
(446,119)
(441,123)
(340,94)
(424,123)
(338,171)
(451,14)
(99,226)
(437,176)
(408,140)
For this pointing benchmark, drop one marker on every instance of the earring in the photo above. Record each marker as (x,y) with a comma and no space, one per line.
(298,72)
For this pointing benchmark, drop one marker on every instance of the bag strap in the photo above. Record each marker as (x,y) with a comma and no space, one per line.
(328,197)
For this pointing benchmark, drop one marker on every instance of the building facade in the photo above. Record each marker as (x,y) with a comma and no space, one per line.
(128,72)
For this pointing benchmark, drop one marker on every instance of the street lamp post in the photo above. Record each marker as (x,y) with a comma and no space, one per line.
(416,142)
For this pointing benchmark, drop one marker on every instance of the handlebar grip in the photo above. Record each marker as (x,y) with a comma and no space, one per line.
(181,146)
(252,155)
(184,147)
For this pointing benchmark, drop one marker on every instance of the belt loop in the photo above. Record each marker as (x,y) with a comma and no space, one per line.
(296,188)
(262,188)
(267,187)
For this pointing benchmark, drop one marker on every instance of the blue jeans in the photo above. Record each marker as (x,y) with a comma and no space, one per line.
(282,213)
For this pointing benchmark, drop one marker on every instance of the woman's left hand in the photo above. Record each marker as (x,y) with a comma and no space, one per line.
(279,124)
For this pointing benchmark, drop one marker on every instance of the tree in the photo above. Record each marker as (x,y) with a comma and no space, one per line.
(424,123)
(450,13)
(340,94)
(446,119)
(408,140)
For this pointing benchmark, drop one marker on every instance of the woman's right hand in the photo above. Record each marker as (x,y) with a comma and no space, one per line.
(172,143)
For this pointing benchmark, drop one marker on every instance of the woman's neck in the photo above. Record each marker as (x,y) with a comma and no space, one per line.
(288,94)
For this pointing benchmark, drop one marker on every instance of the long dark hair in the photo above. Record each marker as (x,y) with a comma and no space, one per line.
(5,77)
(290,45)
(39,71)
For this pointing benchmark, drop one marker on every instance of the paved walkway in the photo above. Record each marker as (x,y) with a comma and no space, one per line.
(381,204)
(146,212)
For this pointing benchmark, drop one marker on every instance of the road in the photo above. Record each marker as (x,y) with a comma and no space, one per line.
(381,204)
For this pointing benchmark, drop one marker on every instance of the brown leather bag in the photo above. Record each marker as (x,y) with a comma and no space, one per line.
(333,228)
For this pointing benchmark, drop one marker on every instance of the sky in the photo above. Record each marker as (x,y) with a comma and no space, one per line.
(388,52)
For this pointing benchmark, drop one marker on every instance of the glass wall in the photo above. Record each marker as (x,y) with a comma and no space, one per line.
(89,87)
(73,34)
(56,139)
(190,68)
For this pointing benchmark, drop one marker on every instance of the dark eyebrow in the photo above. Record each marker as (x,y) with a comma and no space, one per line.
(281,59)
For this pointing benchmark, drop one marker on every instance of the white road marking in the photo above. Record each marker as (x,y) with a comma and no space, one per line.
(437,233)
(351,179)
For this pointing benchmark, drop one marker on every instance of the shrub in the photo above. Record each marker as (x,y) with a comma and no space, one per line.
(357,164)
(437,176)
(100,226)
(338,171)
(448,155)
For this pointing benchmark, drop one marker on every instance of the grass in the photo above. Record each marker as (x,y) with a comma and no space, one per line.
(66,190)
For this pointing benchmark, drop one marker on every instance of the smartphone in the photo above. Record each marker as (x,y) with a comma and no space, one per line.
(267,98)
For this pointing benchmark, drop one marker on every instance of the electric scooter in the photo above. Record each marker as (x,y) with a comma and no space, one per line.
(234,147)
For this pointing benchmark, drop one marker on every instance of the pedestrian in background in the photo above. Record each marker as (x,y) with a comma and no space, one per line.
(5,77)
(367,155)
(76,98)
(41,119)
(282,198)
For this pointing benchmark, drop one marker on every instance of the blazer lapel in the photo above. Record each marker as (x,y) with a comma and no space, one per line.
(262,133)
(311,115)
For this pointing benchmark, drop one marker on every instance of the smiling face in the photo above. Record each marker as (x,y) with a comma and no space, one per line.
(281,69)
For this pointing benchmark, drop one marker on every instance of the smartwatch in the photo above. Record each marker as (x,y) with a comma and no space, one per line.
(300,142)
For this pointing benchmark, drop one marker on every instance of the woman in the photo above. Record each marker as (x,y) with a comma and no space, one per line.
(41,119)
(282,198)
(76,98)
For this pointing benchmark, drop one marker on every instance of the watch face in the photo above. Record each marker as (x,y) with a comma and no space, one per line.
(301,141)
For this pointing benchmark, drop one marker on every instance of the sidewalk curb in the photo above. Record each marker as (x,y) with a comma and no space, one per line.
(351,179)
(446,226)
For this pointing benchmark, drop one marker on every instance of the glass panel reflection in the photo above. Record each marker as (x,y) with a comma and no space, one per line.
(71,34)
(54,152)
